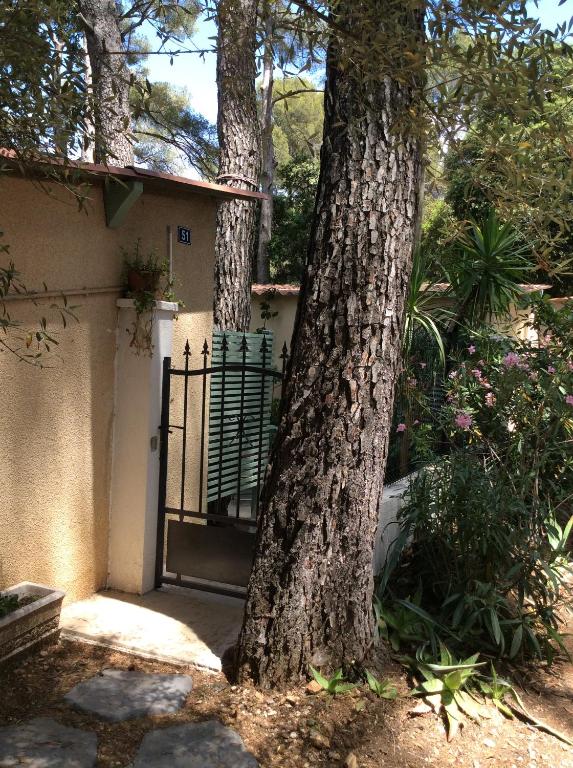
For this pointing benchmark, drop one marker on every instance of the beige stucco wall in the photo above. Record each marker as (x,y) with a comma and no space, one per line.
(56,423)
(282,325)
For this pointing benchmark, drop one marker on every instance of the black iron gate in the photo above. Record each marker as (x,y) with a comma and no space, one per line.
(216,432)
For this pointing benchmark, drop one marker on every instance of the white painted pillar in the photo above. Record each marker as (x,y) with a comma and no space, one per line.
(135,455)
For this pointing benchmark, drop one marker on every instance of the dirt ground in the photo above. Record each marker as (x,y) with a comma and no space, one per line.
(296,729)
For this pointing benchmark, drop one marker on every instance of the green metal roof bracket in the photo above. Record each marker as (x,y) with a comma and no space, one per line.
(119,196)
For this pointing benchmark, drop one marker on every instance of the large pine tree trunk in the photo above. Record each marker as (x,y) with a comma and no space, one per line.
(267,152)
(239,163)
(110,82)
(310,594)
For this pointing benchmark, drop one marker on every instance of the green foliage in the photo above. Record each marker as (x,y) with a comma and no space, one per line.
(486,277)
(458,689)
(170,20)
(293,209)
(468,182)
(28,346)
(149,264)
(147,279)
(382,688)
(489,522)
(496,690)
(43,100)
(422,313)
(440,228)
(267,311)
(335,684)
(298,115)
(445,686)
(8,603)
(505,698)
(170,135)
(503,162)
(297,137)
(403,623)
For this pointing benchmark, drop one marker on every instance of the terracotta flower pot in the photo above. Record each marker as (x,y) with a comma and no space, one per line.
(143,282)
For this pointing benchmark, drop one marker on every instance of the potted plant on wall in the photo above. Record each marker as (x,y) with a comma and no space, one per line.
(29,617)
(147,279)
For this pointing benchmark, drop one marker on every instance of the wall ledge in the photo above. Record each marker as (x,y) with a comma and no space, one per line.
(165,306)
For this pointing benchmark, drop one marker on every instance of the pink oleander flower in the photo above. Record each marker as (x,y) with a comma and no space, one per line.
(550,369)
(511,359)
(490,399)
(463,420)
(477,373)
(453,375)
(401,428)
(471,349)
(485,383)
(569,399)
(416,422)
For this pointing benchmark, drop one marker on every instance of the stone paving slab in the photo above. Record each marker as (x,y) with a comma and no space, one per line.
(194,745)
(44,743)
(118,694)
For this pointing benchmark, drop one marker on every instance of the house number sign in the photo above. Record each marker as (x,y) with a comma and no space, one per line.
(184,235)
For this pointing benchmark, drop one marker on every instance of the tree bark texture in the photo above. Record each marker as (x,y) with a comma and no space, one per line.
(267,154)
(87,155)
(110,82)
(239,163)
(310,595)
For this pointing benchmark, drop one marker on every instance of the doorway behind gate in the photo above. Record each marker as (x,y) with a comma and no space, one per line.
(216,434)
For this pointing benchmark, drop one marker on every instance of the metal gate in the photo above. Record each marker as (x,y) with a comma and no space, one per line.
(216,432)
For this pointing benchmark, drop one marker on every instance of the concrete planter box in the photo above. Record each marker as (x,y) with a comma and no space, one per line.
(34,624)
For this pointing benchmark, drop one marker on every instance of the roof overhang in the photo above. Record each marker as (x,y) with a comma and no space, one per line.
(153,181)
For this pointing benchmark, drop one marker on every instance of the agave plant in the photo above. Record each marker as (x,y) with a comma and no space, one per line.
(487,278)
(421,311)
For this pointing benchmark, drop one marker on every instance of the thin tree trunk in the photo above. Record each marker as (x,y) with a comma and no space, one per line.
(310,595)
(61,126)
(268,155)
(110,82)
(239,164)
(87,154)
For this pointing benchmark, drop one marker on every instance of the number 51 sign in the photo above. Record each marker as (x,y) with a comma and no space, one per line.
(184,235)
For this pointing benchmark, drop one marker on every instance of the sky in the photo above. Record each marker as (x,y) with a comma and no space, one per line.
(191,71)
(197,73)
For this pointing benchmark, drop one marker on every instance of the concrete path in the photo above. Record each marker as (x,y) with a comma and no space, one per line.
(172,624)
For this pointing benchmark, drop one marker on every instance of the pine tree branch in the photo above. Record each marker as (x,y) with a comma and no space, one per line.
(296,93)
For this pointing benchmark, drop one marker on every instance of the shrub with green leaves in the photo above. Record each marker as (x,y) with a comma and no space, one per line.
(489,523)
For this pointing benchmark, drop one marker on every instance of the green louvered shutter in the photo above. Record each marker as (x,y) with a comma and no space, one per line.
(227,442)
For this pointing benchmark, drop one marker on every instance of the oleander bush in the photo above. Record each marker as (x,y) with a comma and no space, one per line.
(485,529)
